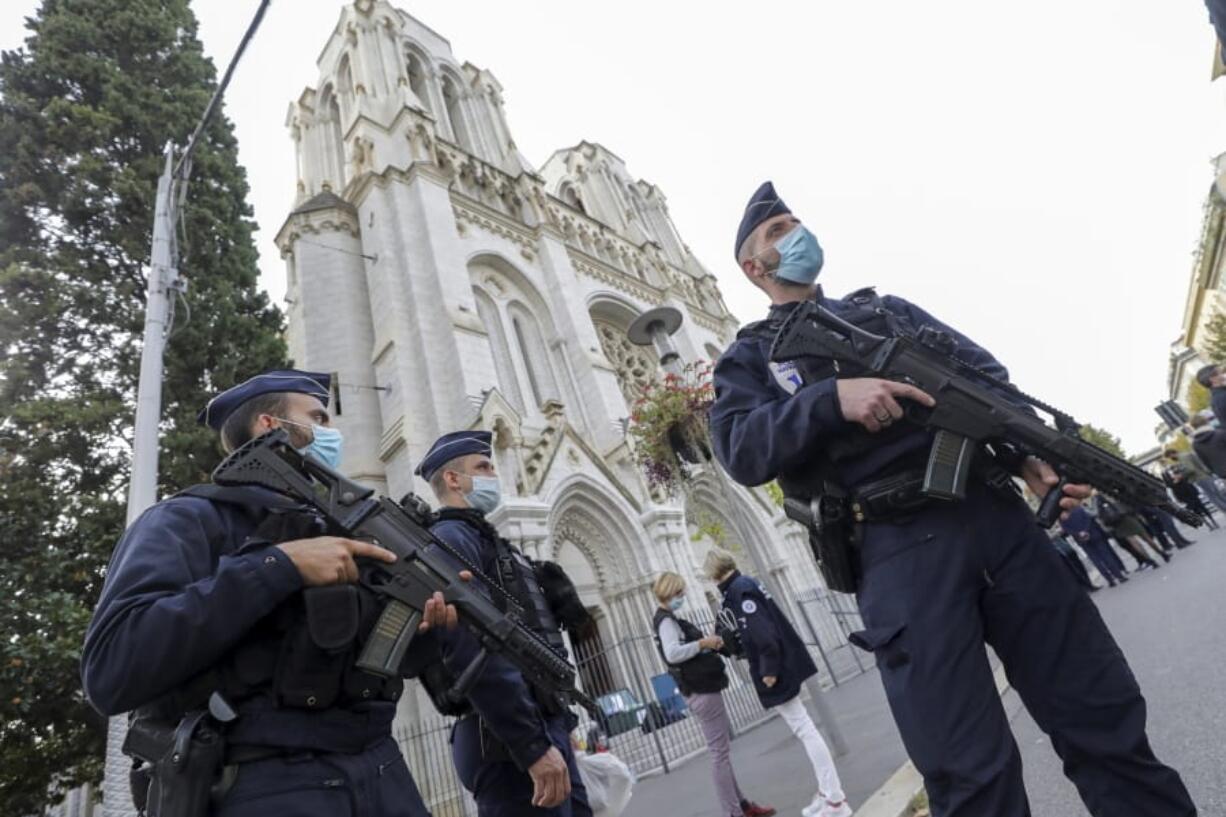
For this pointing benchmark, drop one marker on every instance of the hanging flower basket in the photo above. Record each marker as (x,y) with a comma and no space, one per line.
(689,441)
(668,425)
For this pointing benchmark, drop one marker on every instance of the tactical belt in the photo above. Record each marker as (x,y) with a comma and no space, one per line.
(242,753)
(884,499)
(902,494)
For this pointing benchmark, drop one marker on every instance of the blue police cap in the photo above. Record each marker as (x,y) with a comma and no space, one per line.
(449,446)
(223,405)
(765,203)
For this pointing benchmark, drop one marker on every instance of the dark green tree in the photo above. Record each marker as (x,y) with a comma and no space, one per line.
(85,109)
(1215,338)
(1103,439)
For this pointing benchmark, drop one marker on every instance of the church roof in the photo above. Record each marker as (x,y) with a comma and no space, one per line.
(327,200)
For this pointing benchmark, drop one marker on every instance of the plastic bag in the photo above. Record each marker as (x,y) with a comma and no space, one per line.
(608,781)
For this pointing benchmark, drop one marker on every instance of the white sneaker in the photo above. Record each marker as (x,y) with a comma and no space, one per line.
(841,810)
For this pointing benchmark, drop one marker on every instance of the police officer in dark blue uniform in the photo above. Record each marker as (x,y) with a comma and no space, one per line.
(511,746)
(779,663)
(1078,524)
(228,600)
(935,580)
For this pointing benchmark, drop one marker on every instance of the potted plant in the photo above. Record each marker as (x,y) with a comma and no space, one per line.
(668,424)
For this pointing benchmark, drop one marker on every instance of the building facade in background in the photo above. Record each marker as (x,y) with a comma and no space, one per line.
(1205,289)
(451,284)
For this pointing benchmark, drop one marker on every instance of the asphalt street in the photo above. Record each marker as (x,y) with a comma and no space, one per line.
(1171,624)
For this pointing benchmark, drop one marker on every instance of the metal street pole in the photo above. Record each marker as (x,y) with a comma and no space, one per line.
(655,328)
(159,303)
(142,490)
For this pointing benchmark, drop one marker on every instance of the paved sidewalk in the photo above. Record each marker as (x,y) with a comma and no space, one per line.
(772,767)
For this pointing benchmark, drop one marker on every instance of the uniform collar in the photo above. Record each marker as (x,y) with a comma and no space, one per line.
(724,585)
(780,311)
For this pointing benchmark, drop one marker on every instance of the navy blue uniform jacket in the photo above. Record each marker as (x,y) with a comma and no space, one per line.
(1082,526)
(765,422)
(178,596)
(771,644)
(500,695)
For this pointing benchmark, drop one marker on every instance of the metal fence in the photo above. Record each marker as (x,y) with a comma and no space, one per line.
(643,719)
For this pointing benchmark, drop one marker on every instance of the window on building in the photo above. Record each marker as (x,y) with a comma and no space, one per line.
(333,141)
(569,195)
(535,355)
(417,79)
(455,113)
(504,366)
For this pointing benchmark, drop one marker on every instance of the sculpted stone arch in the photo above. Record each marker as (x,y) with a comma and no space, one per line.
(600,525)
(706,505)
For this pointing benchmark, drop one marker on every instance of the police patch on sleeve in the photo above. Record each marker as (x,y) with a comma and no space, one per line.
(748,607)
(786,375)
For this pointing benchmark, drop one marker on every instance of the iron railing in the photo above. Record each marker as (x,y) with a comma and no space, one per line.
(642,718)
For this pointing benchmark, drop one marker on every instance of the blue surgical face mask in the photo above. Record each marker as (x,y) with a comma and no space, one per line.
(677,603)
(800,257)
(326,443)
(485,495)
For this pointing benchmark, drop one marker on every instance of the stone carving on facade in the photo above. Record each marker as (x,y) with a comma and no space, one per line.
(634,365)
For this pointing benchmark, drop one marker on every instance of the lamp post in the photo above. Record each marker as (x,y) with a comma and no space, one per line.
(655,328)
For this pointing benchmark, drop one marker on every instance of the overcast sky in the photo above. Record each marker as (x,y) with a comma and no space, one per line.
(1032,173)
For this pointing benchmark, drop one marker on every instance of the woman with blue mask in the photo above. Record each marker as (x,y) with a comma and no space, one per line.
(693,661)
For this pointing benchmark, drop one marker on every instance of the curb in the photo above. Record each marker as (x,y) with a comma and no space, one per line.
(894,797)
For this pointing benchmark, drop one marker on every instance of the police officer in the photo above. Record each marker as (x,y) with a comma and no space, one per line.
(511,746)
(1213,378)
(230,599)
(1084,528)
(938,579)
(779,664)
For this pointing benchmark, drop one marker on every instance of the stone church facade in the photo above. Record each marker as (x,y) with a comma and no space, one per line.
(451,284)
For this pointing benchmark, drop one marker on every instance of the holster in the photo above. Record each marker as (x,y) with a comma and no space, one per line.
(833,536)
(175,767)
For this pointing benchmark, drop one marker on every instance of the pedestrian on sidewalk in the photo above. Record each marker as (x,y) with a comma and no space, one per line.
(1193,470)
(1093,540)
(1208,444)
(1161,525)
(1177,480)
(779,664)
(1071,560)
(1124,527)
(694,662)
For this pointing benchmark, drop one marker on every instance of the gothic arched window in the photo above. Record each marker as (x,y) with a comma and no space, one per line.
(455,113)
(504,366)
(344,84)
(417,79)
(535,354)
(569,195)
(333,141)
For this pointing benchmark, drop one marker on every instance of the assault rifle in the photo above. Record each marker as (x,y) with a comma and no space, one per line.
(973,408)
(424,567)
